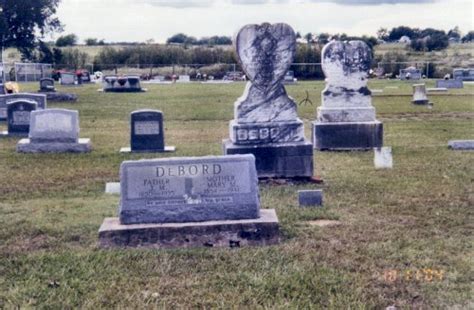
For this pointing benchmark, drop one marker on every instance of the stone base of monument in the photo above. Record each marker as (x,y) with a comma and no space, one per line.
(420,102)
(56,96)
(167,149)
(6,134)
(347,136)
(26,146)
(233,233)
(284,160)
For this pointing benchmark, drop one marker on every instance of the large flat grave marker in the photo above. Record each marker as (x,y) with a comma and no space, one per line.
(190,201)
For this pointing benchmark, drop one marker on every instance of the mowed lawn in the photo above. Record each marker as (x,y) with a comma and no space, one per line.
(405,237)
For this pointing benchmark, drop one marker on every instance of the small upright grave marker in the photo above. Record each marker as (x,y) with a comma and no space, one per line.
(309,198)
(147,132)
(419,94)
(47,85)
(383,157)
(68,78)
(18,115)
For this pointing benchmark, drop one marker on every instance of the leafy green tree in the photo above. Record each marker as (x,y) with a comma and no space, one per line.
(91,41)
(469,37)
(67,40)
(398,32)
(23,23)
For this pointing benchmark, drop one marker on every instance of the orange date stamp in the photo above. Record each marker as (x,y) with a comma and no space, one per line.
(421,275)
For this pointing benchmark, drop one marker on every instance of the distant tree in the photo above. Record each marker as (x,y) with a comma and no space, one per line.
(23,23)
(308,37)
(454,33)
(430,40)
(91,41)
(383,34)
(398,32)
(323,38)
(181,38)
(67,40)
(469,37)
(298,35)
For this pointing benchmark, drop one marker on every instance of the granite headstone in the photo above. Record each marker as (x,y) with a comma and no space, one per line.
(419,94)
(449,83)
(54,131)
(346,118)
(68,78)
(410,73)
(118,84)
(47,85)
(18,114)
(265,121)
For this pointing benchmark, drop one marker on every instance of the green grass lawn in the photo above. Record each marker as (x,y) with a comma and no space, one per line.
(405,237)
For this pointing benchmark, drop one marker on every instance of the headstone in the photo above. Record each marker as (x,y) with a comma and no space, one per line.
(68,79)
(190,201)
(147,132)
(18,115)
(2,79)
(47,85)
(265,121)
(437,89)
(184,79)
(289,78)
(383,158)
(86,77)
(449,83)
(54,131)
(346,118)
(40,99)
(122,84)
(410,73)
(309,198)
(463,74)
(461,144)
(419,94)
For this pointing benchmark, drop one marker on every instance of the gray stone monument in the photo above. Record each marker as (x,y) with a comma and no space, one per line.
(410,73)
(449,83)
(122,84)
(310,198)
(47,85)
(346,118)
(54,131)
(265,121)
(463,74)
(419,94)
(18,116)
(147,133)
(190,202)
(68,79)
(40,100)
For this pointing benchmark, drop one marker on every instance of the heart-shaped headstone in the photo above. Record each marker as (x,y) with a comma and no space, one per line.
(266,52)
(346,64)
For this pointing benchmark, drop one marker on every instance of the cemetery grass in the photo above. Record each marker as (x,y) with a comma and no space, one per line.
(393,223)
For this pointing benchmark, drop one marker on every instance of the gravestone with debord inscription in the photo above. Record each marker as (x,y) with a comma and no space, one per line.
(190,201)
(18,114)
(147,132)
(265,121)
(346,118)
(54,131)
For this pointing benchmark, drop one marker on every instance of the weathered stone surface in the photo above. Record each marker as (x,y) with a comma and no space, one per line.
(68,79)
(346,119)
(263,230)
(347,136)
(54,131)
(129,83)
(419,94)
(283,160)
(189,189)
(309,198)
(81,146)
(265,53)
(263,133)
(449,84)
(40,99)
(147,132)
(461,144)
(383,158)
(184,79)
(346,97)
(463,74)
(18,114)
(54,125)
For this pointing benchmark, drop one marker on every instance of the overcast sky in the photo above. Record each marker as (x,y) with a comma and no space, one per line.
(140,20)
